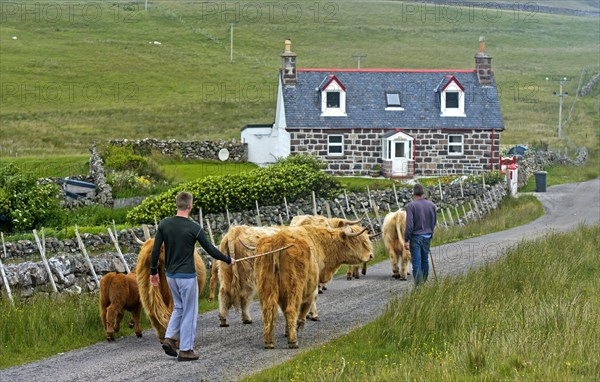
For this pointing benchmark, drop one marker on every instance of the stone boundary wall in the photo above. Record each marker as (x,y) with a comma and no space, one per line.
(238,151)
(590,85)
(71,274)
(535,161)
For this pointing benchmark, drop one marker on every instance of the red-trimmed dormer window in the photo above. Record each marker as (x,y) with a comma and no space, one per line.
(452,99)
(333,97)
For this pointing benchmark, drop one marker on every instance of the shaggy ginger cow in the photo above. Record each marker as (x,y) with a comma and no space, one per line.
(119,292)
(157,301)
(394,226)
(287,278)
(237,285)
(333,247)
(322,221)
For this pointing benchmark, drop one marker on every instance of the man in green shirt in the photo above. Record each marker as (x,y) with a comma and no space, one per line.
(179,235)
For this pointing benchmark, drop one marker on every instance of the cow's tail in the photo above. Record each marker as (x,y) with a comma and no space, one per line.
(235,274)
(151,297)
(400,228)
(214,278)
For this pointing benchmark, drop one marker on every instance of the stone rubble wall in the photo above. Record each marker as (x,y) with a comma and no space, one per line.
(535,161)
(238,152)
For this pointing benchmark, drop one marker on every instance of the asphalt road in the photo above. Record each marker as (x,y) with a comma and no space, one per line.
(230,353)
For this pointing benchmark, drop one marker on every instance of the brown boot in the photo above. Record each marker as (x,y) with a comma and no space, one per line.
(187,355)
(169,347)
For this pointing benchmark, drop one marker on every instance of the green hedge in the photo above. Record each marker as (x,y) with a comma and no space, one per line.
(24,204)
(294,179)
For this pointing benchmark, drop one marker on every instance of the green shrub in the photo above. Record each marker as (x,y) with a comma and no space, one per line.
(267,186)
(303,159)
(24,204)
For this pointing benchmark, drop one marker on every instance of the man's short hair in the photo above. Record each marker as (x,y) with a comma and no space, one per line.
(184,200)
(418,190)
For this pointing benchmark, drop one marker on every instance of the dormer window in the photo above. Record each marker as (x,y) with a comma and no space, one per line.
(333,97)
(393,101)
(333,100)
(452,99)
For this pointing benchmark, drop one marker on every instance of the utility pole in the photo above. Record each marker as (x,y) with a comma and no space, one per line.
(231,45)
(359,57)
(561,95)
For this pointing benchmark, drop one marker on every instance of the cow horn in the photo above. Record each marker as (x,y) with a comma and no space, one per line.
(375,235)
(352,222)
(247,246)
(135,238)
(353,234)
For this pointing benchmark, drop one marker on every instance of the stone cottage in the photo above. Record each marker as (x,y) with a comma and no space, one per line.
(408,121)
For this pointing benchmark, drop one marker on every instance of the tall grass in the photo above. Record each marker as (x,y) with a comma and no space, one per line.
(531,316)
(46,325)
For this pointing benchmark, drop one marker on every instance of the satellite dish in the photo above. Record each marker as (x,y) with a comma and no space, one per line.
(223,155)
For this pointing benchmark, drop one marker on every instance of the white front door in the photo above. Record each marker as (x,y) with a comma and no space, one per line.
(401,155)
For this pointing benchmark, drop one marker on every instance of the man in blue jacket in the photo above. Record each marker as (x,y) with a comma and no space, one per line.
(421,217)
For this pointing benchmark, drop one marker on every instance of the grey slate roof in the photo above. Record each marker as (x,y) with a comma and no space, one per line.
(366,100)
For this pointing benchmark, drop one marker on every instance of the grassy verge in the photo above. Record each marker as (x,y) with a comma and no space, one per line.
(185,171)
(48,325)
(516,319)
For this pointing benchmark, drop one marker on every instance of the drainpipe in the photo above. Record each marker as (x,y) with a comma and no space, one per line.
(492,152)
(414,157)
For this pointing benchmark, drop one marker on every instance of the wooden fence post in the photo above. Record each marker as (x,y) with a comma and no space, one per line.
(450,215)
(287,210)
(87,257)
(458,216)
(441,192)
(342,209)
(314,203)
(464,213)
(4,278)
(328,209)
(116,242)
(228,217)
(258,223)
(200,219)
(42,249)
(347,203)
(210,234)
(395,196)
(444,217)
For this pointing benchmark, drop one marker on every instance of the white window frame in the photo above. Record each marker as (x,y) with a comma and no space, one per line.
(455,144)
(334,86)
(453,111)
(335,144)
(391,108)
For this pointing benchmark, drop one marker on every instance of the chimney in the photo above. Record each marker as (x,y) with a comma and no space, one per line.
(288,64)
(483,64)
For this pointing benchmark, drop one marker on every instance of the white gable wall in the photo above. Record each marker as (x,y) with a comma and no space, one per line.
(267,144)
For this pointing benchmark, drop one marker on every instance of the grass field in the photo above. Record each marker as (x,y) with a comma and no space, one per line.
(91,72)
(516,319)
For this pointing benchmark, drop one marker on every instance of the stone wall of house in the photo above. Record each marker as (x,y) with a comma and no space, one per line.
(238,151)
(480,152)
(27,274)
(362,151)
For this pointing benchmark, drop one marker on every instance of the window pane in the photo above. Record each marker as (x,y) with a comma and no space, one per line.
(400,152)
(451,100)
(335,139)
(335,149)
(333,99)
(455,138)
(393,99)
(455,149)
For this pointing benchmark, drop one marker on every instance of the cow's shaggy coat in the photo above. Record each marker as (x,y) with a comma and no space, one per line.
(237,283)
(288,279)
(394,226)
(119,292)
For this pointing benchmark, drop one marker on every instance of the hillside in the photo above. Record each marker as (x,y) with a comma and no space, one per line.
(74,74)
